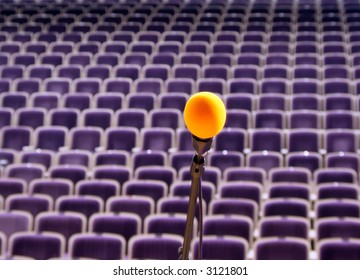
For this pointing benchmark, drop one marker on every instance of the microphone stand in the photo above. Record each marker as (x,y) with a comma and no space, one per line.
(202,146)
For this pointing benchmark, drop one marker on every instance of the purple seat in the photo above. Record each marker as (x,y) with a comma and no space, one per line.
(173,101)
(309,160)
(146,158)
(97,118)
(109,100)
(337,190)
(111,157)
(85,138)
(87,85)
(226,159)
(24,171)
(345,228)
(335,174)
(140,205)
(15,221)
(139,59)
(275,248)
(163,58)
(264,159)
(24,59)
(166,224)
(153,172)
(269,119)
(185,85)
(115,138)
(154,189)
(121,174)
(343,160)
(29,85)
(339,249)
(103,246)
(97,71)
(125,224)
(340,140)
(4,85)
(157,138)
(79,59)
(284,226)
(40,72)
(12,72)
(339,119)
(66,223)
(14,100)
(290,174)
(74,157)
(89,47)
(86,205)
(211,174)
(151,246)
(231,139)
(337,85)
(65,117)
(109,59)
(54,59)
(6,117)
(307,72)
(272,102)
(169,118)
(100,188)
(221,248)
(44,158)
(74,173)
(63,47)
(286,207)
(266,139)
(303,140)
(9,186)
(234,206)
(120,85)
(131,71)
(193,58)
(306,86)
(337,208)
(338,101)
(239,101)
(59,85)
(255,174)
(289,190)
(40,246)
(51,187)
(242,85)
(31,117)
(304,119)
(305,102)
(32,204)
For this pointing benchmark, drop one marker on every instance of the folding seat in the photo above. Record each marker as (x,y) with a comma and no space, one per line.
(341,208)
(186,71)
(337,85)
(118,173)
(173,101)
(286,207)
(115,138)
(123,36)
(338,249)
(6,117)
(66,223)
(228,36)
(66,117)
(234,206)
(141,47)
(146,158)
(111,59)
(309,160)
(12,72)
(289,190)
(304,119)
(87,85)
(73,157)
(85,138)
(336,72)
(139,205)
(97,36)
(302,139)
(170,118)
(103,189)
(54,59)
(140,59)
(335,59)
(274,139)
(195,58)
(124,224)
(14,100)
(141,100)
(335,174)
(290,174)
(111,157)
(15,221)
(4,58)
(156,71)
(148,36)
(78,100)
(109,100)
(152,85)
(69,71)
(307,72)
(153,246)
(81,59)
(28,85)
(193,47)
(244,71)
(255,174)
(74,173)
(85,204)
(9,186)
(40,72)
(264,159)
(88,47)
(278,59)
(183,189)
(220,59)
(16,137)
(241,189)
(284,227)
(225,159)
(163,58)
(340,140)
(280,248)
(40,246)
(340,119)
(212,174)
(161,138)
(103,246)
(307,101)
(249,59)
(24,59)
(32,204)
(164,174)
(242,85)
(274,85)
(44,158)
(51,187)
(342,160)
(231,139)
(153,188)
(337,190)
(10,47)
(97,117)
(97,71)
(268,119)
(166,224)
(121,85)
(232,248)
(59,85)
(337,228)
(31,117)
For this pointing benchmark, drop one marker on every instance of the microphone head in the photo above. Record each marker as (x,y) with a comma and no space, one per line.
(204,114)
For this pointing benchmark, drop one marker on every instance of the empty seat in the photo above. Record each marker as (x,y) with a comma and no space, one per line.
(100,188)
(284,226)
(32,204)
(86,138)
(15,221)
(86,205)
(51,187)
(167,224)
(325,208)
(339,249)
(152,188)
(340,140)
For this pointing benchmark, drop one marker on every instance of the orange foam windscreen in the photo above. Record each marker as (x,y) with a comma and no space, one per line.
(204,114)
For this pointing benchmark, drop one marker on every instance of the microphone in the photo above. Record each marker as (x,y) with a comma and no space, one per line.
(204,116)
